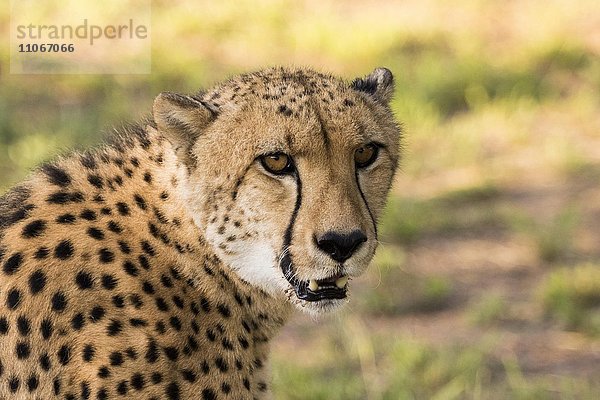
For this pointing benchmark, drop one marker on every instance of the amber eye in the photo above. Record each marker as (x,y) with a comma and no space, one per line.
(277,163)
(365,155)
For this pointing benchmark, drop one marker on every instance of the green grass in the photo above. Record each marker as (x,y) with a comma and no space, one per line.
(571,295)
(489,310)
(553,238)
(387,369)
(390,289)
(471,209)
(358,365)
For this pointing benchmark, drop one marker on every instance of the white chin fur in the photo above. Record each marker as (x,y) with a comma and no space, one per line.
(322,307)
(254,264)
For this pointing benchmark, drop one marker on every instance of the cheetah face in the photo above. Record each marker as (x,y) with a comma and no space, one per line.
(288,173)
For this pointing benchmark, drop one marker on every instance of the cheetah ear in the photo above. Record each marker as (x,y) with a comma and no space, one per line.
(181,119)
(379,84)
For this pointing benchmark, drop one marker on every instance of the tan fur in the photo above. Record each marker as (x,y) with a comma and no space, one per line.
(165,245)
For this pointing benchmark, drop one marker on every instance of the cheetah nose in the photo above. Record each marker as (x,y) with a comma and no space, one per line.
(340,246)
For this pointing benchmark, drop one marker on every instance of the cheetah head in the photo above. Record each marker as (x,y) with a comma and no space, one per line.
(289,170)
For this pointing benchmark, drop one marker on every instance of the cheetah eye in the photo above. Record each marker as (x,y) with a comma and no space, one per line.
(277,163)
(366,155)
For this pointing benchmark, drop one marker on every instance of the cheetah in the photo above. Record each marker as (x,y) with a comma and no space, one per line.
(160,264)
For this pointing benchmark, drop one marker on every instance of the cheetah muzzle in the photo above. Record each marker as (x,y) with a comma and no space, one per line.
(161,264)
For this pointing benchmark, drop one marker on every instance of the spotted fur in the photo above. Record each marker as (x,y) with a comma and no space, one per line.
(152,267)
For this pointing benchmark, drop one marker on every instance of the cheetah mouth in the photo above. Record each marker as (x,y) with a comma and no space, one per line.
(331,288)
(335,287)
(323,289)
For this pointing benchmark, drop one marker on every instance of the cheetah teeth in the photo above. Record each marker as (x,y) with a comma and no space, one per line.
(341,283)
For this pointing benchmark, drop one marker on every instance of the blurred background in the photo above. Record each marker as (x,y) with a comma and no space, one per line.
(487,281)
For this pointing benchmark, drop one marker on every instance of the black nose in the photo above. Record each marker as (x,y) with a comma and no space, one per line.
(340,246)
